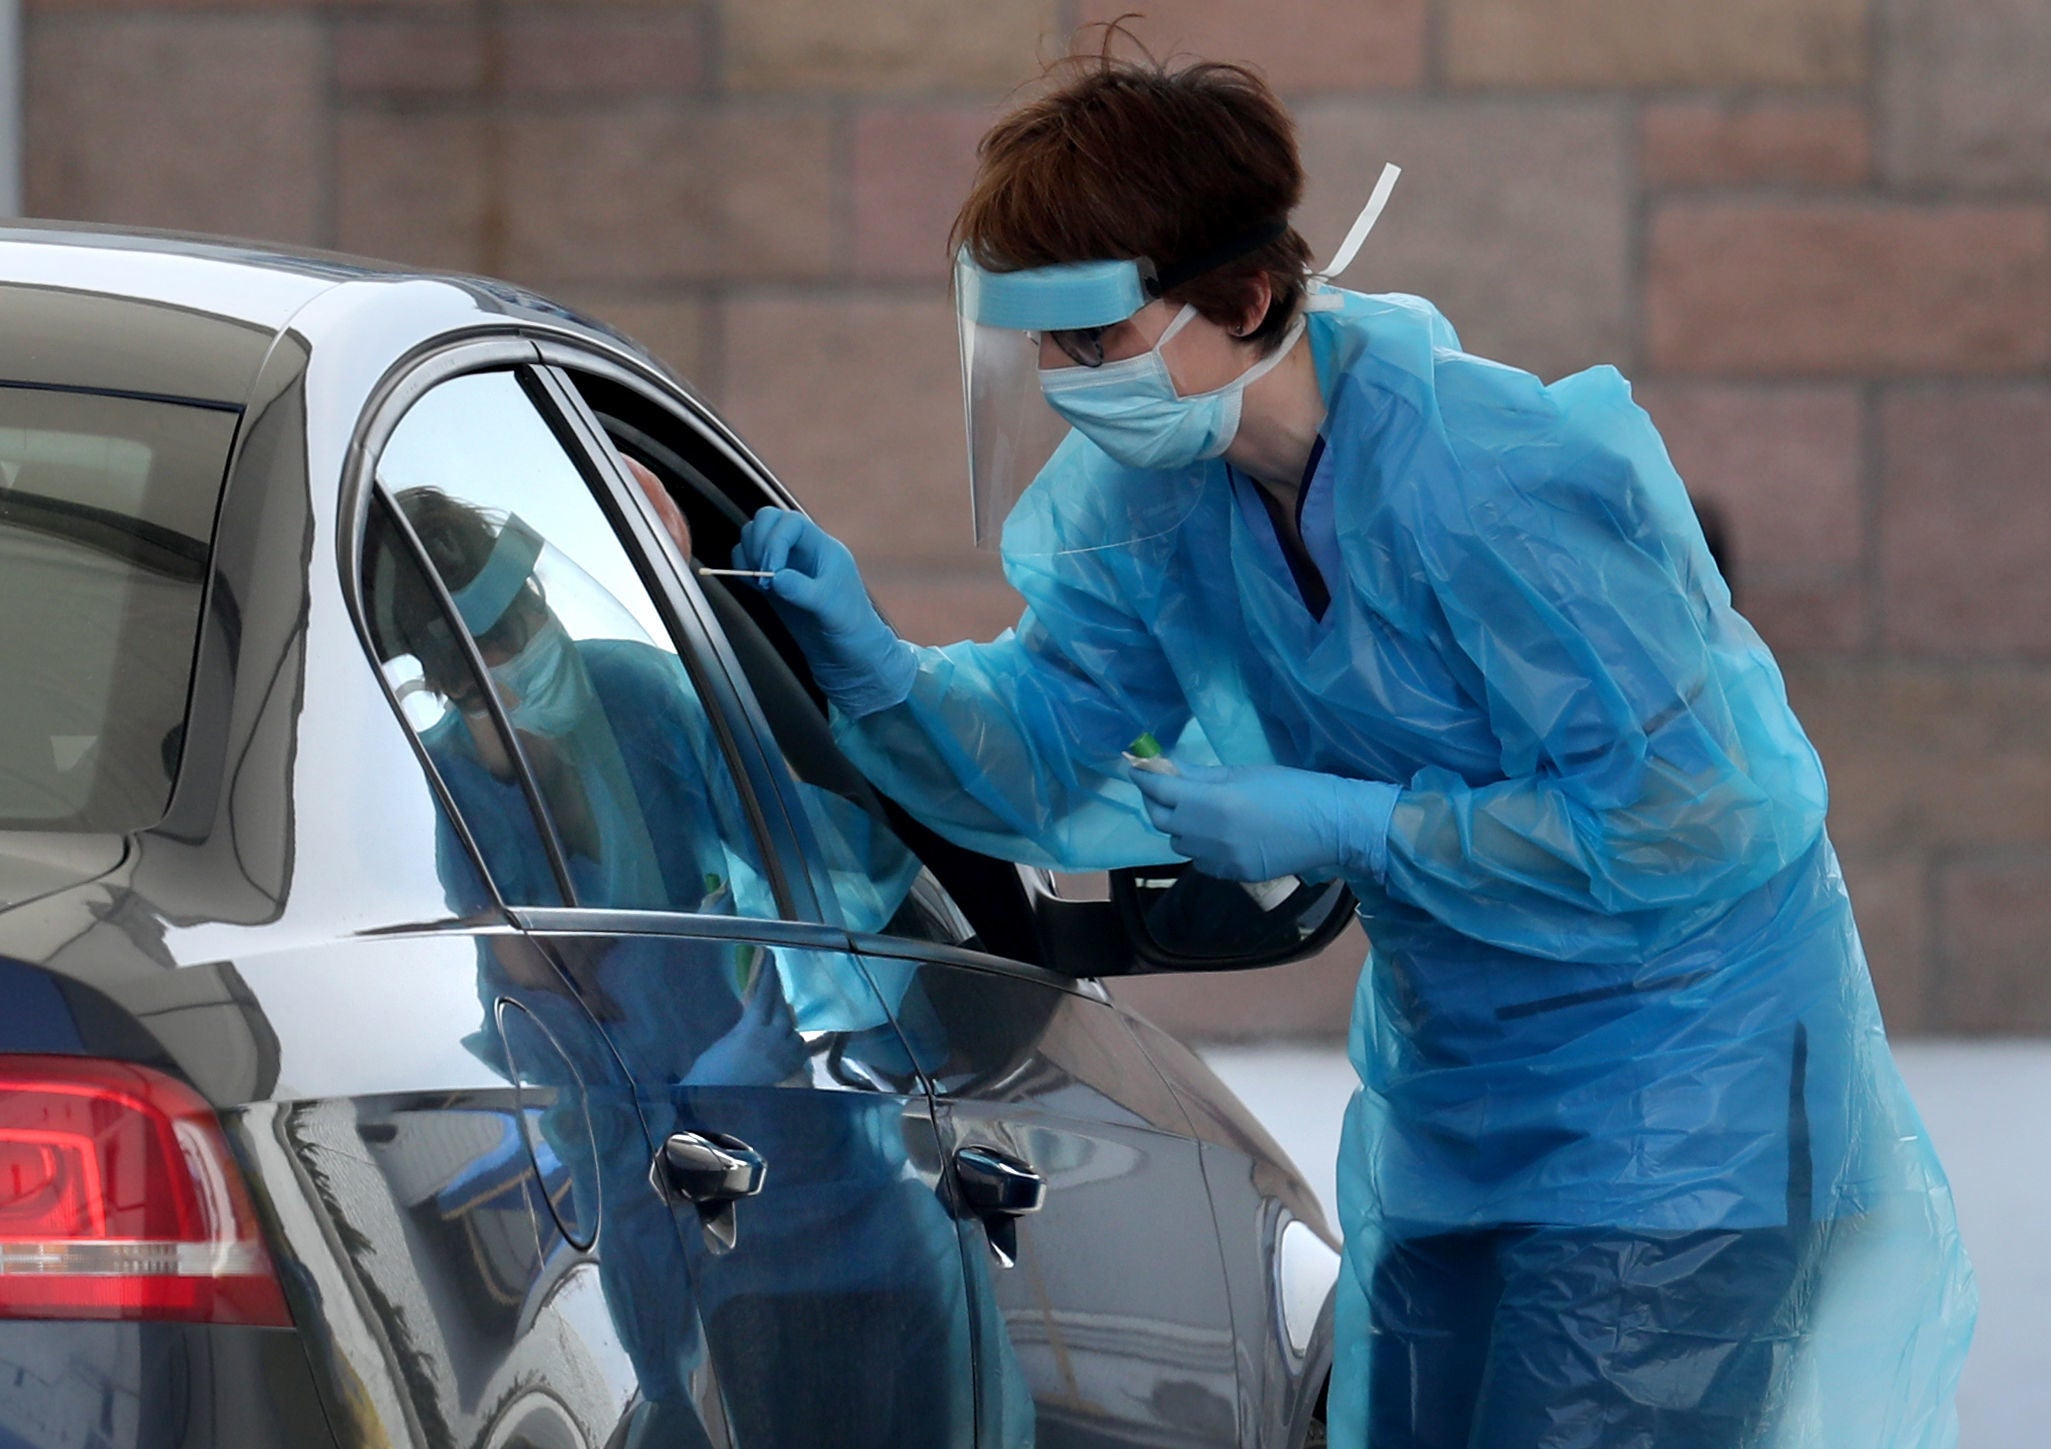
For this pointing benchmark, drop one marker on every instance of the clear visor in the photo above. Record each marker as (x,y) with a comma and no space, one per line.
(1012,432)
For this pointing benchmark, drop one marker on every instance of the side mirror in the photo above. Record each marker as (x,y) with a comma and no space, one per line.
(1172,918)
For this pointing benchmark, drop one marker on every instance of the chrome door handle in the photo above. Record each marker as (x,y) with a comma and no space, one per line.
(712,1172)
(996,1185)
(709,1168)
(1000,1190)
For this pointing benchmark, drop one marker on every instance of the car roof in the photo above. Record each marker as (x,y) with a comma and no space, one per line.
(178,315)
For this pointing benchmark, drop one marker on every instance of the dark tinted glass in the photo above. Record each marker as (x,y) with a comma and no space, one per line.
(106,519)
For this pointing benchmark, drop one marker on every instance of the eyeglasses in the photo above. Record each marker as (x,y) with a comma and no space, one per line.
(1083,346)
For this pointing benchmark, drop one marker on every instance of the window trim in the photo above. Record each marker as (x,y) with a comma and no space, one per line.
(606,921)
(577,354)
(935,953)
(405,383)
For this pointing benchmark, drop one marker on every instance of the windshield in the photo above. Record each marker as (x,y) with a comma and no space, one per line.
(106,516)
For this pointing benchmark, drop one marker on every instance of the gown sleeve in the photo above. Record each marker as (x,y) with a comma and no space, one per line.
(1012,747)
(1652,767)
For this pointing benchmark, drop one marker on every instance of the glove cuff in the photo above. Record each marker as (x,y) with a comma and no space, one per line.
(881,683)
(1365,850)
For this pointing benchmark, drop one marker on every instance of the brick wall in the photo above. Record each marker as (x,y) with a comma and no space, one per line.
(1816,232)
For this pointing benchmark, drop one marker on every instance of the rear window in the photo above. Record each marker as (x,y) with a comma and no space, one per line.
(106,516)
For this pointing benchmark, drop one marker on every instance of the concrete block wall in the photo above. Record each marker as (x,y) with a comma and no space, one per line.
(1817,233)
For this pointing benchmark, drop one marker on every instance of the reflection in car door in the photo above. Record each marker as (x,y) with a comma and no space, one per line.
(481,1206)
(830,1288)
(823,1269)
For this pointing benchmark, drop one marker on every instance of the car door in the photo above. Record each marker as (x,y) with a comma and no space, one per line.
(1103,1314)
(788,1148)
(1113,1287)
(525,1273)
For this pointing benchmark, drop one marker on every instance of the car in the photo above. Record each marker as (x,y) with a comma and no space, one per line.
(454,990)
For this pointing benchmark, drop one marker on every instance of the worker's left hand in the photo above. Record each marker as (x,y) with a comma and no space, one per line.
(1257,822)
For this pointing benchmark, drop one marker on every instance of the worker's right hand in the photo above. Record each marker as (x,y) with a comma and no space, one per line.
(861,664)
(761,1049)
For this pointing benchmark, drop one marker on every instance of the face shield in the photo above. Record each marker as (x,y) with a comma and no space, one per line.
(1012,432)
(1128,406)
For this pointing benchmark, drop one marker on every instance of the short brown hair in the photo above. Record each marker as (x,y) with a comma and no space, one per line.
(1130,159)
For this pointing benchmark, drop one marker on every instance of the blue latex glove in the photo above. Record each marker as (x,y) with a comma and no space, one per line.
(861,664)
(759,1050)
(1257,822)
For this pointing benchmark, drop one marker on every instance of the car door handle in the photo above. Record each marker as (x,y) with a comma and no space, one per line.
(710,1168)
(995,1185)
(1000,1190)
(712,1172)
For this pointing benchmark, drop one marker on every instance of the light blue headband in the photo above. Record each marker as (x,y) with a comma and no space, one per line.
(1050,299)
(1098,294)
(484,600)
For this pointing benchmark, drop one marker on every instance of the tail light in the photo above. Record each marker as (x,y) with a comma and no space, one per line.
(119,1199)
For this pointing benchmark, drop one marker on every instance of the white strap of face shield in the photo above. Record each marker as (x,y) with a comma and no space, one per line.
(1356,237)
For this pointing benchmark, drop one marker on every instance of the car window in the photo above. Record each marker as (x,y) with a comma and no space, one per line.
(408,625)
(106,523)
(879,883)
(621,751)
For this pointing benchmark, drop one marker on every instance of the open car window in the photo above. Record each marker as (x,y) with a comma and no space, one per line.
(888,874)
(878,882)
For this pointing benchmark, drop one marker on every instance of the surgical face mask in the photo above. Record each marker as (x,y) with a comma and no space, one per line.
(544,686)
(1131,410)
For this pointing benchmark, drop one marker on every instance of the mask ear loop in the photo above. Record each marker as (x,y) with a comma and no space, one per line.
(1356,237)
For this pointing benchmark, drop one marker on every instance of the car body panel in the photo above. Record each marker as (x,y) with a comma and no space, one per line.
(846,1259)
(1281,1255)
(156,1386)
(41,863)
(1112,1293)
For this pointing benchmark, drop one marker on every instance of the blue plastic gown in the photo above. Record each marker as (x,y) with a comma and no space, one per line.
(1615,983)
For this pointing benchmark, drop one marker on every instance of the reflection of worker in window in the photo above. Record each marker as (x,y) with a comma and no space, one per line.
(620,746)
(867,1255)
(890,1285)
(620,750)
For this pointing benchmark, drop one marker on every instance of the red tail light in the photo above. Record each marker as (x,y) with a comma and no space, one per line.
(119,1199)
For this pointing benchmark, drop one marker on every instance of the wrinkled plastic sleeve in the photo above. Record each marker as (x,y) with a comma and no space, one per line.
(1642,776)
(1012,748)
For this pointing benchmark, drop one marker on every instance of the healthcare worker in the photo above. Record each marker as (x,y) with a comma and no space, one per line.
(1629,1163)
